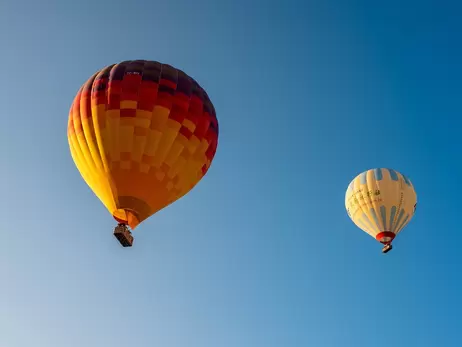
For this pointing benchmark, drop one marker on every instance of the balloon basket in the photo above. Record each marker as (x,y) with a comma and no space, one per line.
(123,235)
(387,248)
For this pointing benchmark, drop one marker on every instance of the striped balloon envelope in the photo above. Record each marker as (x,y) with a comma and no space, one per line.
(142,134)
(381,202)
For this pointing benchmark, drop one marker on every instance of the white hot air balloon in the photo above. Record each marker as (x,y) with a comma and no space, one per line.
(381,202)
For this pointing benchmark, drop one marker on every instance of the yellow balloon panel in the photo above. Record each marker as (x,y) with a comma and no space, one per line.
(381,202)
(142,134)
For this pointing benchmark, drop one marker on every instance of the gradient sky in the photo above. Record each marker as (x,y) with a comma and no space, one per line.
(261,253)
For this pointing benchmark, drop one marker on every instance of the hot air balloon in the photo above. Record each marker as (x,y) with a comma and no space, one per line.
(381,202)
(142,134)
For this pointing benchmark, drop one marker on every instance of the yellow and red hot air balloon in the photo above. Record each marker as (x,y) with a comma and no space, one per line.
(381,202)
(142,134)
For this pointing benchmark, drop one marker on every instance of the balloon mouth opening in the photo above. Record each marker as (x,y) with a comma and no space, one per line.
(385,237)
(125,216)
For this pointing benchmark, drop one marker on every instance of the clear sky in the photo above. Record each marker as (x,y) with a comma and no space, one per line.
(261,253)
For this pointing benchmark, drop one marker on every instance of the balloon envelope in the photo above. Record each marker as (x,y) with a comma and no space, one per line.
(142,134)
(381,202)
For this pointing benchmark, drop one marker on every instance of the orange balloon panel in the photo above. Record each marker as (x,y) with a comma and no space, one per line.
(142,134)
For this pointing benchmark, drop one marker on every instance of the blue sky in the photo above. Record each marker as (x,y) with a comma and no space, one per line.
(261,253)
